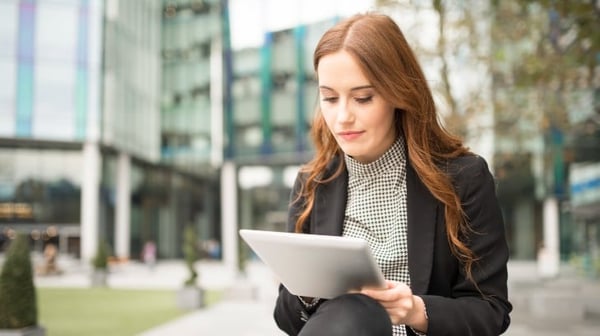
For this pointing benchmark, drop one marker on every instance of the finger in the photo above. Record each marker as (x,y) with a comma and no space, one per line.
(403,304)
(398,292)
(382,295)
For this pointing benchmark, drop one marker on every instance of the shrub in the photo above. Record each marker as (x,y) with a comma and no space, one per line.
(100,261)
(18,299)
(190,253)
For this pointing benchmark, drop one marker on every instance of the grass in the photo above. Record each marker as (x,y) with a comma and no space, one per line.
(106,311)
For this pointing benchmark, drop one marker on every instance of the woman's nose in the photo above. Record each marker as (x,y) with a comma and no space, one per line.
(345,113)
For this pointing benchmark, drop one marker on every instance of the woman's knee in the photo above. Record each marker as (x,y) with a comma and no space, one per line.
(349,314)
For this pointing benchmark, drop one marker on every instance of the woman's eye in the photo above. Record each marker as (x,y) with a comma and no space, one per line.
(363,100)
(330,99)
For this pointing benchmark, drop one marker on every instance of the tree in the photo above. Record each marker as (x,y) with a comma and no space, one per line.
(190,296)
(100,264)
(17,291)
(452,43)
(540,58)
(191,254)
(100,261)
(546,79)
(545,70)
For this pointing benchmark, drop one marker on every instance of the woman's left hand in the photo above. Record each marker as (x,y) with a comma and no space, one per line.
(402,306)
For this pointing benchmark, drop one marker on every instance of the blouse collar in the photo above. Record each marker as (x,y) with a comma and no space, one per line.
(393,158)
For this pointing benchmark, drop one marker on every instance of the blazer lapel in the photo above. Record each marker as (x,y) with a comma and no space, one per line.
(330,206)
(422,215)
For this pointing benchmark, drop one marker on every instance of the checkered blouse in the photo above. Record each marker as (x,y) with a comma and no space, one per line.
(376,210)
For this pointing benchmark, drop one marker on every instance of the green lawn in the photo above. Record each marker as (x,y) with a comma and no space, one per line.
(106,311)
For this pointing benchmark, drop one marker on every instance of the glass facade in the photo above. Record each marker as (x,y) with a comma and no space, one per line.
(52,107)
(8,67)
(274,96)
(157,118)
(189,32)
(247,135)
(40,189)
(131,103)
(47,86)
(163,203)
(264,196)
(48,100)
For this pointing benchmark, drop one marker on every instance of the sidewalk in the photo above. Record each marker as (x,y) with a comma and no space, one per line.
(566,306)
(237,314)
(568,295)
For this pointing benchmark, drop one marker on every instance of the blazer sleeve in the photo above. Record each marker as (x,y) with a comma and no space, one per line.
(481,309)
(289,313)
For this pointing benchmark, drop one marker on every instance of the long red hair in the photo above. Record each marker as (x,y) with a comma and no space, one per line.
(378,45)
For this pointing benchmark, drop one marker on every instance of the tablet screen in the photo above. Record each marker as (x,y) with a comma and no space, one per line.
(316,265)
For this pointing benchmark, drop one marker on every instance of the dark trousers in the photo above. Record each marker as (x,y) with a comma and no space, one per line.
(349,315)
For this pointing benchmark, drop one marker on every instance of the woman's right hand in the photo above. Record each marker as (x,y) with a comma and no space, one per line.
(400,303)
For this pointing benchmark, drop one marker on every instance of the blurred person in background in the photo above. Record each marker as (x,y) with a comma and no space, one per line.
(149,254)
(50,265)
(386,170)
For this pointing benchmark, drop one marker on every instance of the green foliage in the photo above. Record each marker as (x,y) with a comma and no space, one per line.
(585,265)
(18,300)
(100,261)
(190,254)
(555,43)
(544,67)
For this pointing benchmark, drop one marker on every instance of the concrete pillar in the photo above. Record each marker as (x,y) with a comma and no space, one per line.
(549,254)
(90,184)
(229,230)
(123,206)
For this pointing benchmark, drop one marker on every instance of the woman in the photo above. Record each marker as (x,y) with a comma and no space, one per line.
(385,170)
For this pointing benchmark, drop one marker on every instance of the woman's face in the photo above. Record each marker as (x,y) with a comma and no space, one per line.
(359,118)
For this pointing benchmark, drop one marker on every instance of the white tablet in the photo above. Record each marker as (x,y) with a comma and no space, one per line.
(316,265)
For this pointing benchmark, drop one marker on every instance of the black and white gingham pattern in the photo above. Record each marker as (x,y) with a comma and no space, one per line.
(376,211)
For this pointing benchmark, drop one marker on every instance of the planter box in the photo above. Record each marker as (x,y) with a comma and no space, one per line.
(99,278)
(190,297)
(29,331)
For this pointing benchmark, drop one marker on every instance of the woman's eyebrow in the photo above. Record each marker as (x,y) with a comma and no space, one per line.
(362,87)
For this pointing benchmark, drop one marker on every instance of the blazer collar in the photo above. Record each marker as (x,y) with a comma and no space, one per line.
(327,218)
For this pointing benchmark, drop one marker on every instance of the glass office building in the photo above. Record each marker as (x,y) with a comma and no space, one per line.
(49,106)
(86,136)
(156,176)
(274,95)
(191,70)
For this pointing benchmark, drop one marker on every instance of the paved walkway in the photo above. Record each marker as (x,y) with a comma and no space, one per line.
(570,306)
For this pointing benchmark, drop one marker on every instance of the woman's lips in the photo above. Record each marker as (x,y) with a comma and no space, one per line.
(350,135)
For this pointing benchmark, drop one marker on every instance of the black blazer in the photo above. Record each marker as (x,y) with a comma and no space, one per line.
(454,305)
